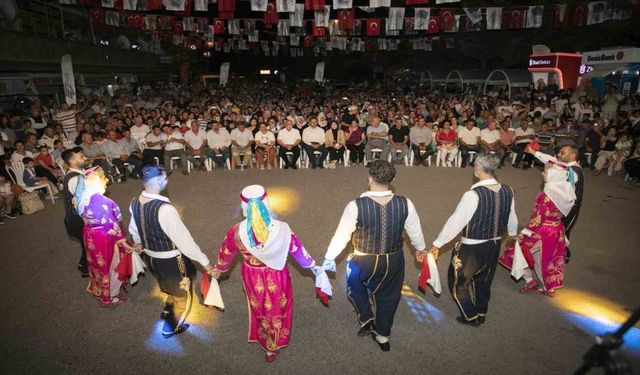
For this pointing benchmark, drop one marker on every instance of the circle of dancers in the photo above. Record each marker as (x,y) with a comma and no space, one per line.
(373,223)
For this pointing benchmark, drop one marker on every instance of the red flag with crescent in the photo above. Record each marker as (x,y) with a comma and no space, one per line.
(271,16)
(433,25)
(345,19)
(373,27)
(447,19)
(313,4)
(218,26)
(580,15)
(517,18)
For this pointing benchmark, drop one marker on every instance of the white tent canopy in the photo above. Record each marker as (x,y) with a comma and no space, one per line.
(511,78)
(465,77)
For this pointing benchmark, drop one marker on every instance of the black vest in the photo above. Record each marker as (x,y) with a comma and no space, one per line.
(151,234)
(67,197)
(379,227)
(579,186)
(492,215)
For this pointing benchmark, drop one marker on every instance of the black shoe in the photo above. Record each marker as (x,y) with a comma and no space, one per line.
(385,347)
(516,165)
(166,312)
(366,329)
(473,323)
(287,166)
(84,273)
(567,258)
(167,334)
(313,166)
(294,167)
(481,319)
(525,167)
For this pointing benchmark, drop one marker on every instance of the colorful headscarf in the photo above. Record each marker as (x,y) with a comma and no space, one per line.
(257,213)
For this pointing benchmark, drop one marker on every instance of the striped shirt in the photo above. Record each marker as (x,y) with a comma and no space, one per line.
(67,119)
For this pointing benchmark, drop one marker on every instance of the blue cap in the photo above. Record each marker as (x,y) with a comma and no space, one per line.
(151,171)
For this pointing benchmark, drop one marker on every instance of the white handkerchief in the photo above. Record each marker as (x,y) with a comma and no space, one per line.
(322,282)
(137,267)
(214,298)
(519,263)
(434,280)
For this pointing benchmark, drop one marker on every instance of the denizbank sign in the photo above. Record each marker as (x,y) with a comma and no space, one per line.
(612,56)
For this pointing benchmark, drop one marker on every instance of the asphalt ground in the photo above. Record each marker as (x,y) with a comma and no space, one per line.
(53,326)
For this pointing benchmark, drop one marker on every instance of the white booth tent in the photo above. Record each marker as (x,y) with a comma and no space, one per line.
(432,79)
(507,78)
(468,80)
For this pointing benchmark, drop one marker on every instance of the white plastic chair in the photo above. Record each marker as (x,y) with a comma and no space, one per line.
(457,159)
(289,153)
(374,151)
(207,163)
(412,157)
(406,157)
(227,162)
(18,171)
(315,154)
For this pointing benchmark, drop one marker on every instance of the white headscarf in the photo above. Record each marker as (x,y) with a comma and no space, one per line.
(558,189)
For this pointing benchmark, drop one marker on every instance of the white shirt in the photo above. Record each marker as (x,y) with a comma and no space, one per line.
(3,138)
(17,158)
(350,218)
(464,212)
(524,133)
(172,146)
(195,140)
(289,137)
(313,135)
(242,138)
(218,140)
(490,136)
(139,132)
(155,138)
(73,181)
(467,136)
(174,228)
(265,138)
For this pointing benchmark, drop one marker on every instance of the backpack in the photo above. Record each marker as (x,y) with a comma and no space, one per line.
(30,203)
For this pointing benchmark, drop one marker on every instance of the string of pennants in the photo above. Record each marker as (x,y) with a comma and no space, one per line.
(337,26)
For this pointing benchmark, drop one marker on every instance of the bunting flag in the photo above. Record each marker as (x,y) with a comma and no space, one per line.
(174,5)
(283,27)
(447,20)
(259,5)
(517,18)
(318,30)
(446,1)
(294,40)
(373,27)
(470,26)
(253,37)
(396,18)
(416,2)
(560,18)
(202,25)
(314,4)
(597,12)
(112,18)
(233,26)
(421,18)
(107,3)
(342,4)
(188,24)
(218,26)
(200,5)
(382,44)
(474,14)
(129,4)
(379,3)
(97,16)
(226,9)
(409,26)
(434,25)
(494,18)
(297,17)
(271,16)
(579,15)
(357,27)
(248,26)
(150,5)
(387,29)
(322,16)
(534,16)
(178,28)
(345,19)
(285,6)
(150,22)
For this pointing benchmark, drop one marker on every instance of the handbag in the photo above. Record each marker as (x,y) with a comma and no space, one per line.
(30,203)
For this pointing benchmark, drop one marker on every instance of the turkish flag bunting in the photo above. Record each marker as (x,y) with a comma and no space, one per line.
(517,18)
(188,5)
(416,2)
(317,31)
(226,6)
(447,19)
(97,15)
(314,4)
(218,26)
(434,23)
(373,27)
(580,15)
(560,16)
(225,15)
(345,19)
(153,5)
(177,28)
(271,16)
(307,42)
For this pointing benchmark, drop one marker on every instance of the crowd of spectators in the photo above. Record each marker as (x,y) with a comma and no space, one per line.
(253,125)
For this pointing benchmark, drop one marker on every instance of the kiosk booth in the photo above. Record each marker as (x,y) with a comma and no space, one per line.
(564,67)
(612,67)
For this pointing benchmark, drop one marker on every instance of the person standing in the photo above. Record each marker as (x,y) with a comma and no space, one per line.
(374,223)
(73,180)
(158,232)
(482,216)
(265,244)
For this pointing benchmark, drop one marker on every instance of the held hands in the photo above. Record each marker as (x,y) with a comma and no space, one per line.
(421,256)
(329,265)
(435,251)
(210,270)
(137,248)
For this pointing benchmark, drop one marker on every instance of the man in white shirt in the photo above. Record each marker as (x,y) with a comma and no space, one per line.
(154,148)
(490,140)
(241,140)
(469,139)
(265,147)
(196,143)
(289,140)
(218,143)
(313,139)
(48,138)
(158,231)
(376,267)
(421,138)
(523,136)
(377,137)
(174,148)
(139,130)
(484,213)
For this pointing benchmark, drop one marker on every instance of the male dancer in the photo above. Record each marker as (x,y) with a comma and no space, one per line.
(568,155)
(483,214)
(375,269)
(158,232)
(73,223)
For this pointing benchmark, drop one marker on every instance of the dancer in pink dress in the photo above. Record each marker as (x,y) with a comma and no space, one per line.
(103,237)
(264,244)
(543,240)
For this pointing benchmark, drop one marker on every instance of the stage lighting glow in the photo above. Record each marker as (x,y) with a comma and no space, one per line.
(265,72)
(157,343)
(283,200)
(422,311)
(597,327)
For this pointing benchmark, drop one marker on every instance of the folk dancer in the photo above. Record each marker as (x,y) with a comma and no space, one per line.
(160,234)
(542,241)
(482,216)
(73,223)
(264,244)
(374,223)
